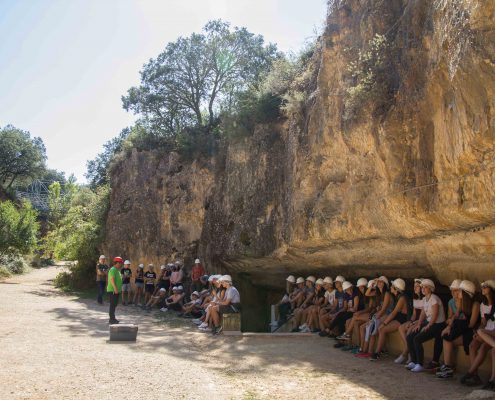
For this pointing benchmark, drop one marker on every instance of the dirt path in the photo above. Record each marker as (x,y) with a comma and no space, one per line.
(54,346)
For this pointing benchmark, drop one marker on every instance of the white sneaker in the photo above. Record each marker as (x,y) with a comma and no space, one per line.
(303,326)
(305,329)
(400,359)
(203,325)
(207,329)
(196,321)
(410,365)
(163,309)
(418,368)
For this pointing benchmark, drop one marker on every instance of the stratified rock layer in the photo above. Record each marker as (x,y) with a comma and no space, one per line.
(406,189)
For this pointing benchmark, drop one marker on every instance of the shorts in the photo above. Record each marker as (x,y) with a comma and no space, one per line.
(401,318)
(149,289)
(164,285)
(230,309)
(126,287)
(139,285)
(175,307)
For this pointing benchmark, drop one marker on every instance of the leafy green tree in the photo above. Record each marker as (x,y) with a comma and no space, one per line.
(18,228)
(22,158)
(60,200)
(195,77)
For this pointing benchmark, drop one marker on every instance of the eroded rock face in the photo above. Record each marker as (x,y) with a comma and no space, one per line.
(406,189)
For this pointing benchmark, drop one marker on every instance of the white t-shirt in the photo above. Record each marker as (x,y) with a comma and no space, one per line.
(428,307)
(418,303)
(330,296)
(233,295)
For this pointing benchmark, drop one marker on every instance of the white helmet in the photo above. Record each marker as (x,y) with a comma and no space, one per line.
(291,279)
(195,293)
(371,283)
(384,279)
(468,287)
(319,282)
(162,267)
(300,280)
(210,278)
(150,266)
(428,283)
(174,288)
(362,282)
(127,262)
(455,285)
(328,280)
(399,284)
(489,283)
(340,279)
(141,266)
(225,278)
(311,278)
(196,261)
(102,257)
(180,288)
(163,290)
(346,285)
(418,280)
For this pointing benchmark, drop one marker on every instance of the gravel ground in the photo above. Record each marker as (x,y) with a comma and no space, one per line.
(54,346)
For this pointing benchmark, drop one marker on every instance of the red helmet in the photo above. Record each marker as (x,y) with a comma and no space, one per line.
(118,260)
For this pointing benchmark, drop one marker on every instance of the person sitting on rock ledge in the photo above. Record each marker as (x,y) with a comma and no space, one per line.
(175,301)
(301,312)
(193,308)
(231,304)
(326,319)
(157,300)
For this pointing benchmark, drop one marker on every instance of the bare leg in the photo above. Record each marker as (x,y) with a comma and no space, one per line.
(403,334)
(383,330)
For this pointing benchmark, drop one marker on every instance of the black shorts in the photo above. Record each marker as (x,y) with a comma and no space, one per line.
(230,309)
(149,288)
(174,306)
(164,285)
(401,318)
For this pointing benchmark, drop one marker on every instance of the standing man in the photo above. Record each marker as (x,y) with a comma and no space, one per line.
(197,272)
(114,287)
(101,277)
(149,283)
(126,273)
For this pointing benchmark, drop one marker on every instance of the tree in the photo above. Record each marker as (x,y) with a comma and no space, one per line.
(194,77)
(60,200)
(18,228)
(97,169)
(21,158)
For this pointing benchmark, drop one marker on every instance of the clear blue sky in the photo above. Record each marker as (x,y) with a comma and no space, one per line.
(66,63)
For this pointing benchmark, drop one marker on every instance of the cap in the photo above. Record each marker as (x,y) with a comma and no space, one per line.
(180,288)
(102,256)
(225,278)
(150,265)
(118,260)
(489,283)
(174,288)
(127,262)
(383,279)
(418,280)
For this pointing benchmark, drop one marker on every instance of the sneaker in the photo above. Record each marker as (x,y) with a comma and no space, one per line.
(355,350)
(418,368)
(296,329)
(339,345)
(375,357)
(164,309)
(113,321)
(448,373)
(488,386)
(305,329)
(203,325)
(303,326)
(410,365)
(323,334)
(197,321)
(345,336)
(400,359)
(471,380)
(217,330)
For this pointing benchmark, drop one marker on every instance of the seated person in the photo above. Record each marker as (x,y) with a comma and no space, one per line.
(329,314)
(175,301)
(157,300)
(193,308)
(231,304)
(283,307)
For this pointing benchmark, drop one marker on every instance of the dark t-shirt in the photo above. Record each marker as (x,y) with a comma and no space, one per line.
(103,268)
(166,276)
(339,298)
(139,276)
(126,275)
(150,275)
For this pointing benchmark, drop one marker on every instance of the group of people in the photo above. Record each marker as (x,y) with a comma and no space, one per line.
(210,297)
(370,310)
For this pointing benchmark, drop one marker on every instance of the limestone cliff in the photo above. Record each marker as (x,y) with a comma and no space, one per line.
(405,187)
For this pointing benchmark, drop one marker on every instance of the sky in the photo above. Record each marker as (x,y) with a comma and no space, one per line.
(66,63)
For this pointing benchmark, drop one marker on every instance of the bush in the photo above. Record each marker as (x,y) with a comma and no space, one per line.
(12,264)
(18,228)
(77,277)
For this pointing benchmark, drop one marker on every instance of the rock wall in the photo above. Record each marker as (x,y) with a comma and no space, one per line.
(405,189)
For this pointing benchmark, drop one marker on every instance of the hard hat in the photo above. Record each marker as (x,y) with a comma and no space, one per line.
(428,283)
(370,283)
(384,279)
(195,293)
(418,280)
(102,256)
(489,283)
(300,280)
(346,285)
(455,285)
(210,278)
(163,290)
(362,282)
(180,288)
(174,288)
(328,280)
(162,267)
(177,262)
(127,262)
(291,279)
(319,282)
(399,284)
(311,278)
(141,265)
(468,287)
(196,261)
(225,278)
(340,279)
(118,260)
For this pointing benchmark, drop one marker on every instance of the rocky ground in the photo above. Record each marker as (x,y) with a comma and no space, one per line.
(55,346)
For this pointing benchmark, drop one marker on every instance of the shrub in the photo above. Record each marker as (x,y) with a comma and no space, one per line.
(18,228)
(12,264)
